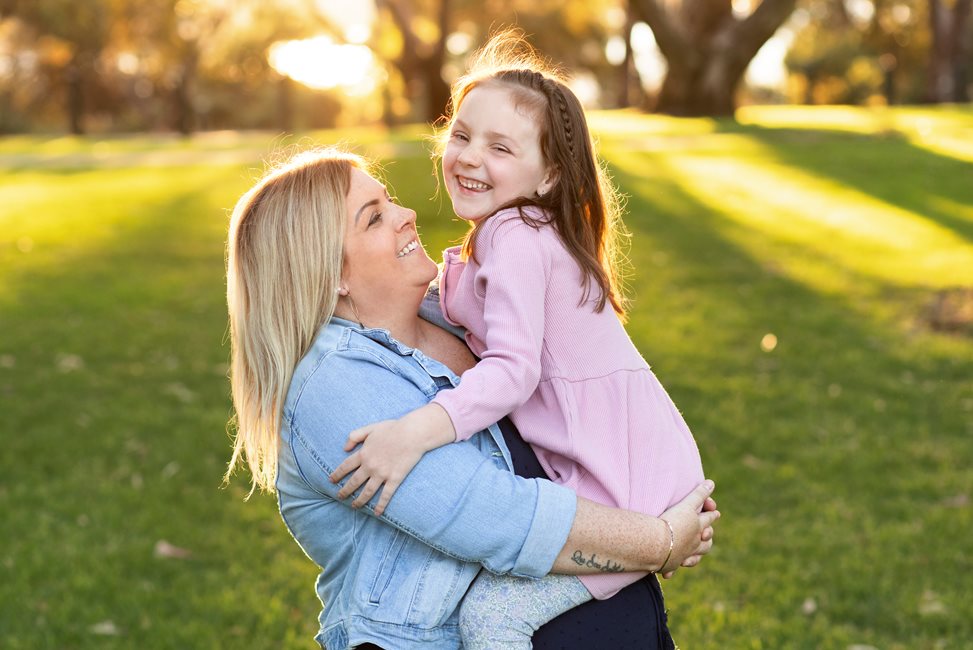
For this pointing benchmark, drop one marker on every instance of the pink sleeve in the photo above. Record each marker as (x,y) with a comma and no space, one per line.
(514,272)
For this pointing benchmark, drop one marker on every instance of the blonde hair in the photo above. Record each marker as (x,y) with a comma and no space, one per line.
(284,257)
(583,204)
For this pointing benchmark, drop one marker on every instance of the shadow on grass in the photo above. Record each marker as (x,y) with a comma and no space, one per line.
(885,166)
(116,389)
(843,402)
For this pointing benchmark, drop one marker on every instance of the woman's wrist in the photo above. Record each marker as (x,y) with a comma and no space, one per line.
(672,543)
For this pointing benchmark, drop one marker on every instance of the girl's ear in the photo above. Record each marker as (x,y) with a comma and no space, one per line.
(548,182)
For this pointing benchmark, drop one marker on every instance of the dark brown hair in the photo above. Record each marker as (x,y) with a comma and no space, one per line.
(583,204)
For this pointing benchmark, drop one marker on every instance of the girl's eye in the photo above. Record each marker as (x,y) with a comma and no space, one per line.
(501,148)
(459,136)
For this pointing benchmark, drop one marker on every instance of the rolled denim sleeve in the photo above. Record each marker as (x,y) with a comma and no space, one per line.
(457,499)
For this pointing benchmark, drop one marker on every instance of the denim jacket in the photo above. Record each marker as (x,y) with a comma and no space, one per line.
(397,580)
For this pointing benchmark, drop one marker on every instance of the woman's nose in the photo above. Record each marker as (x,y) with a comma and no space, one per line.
(407,216)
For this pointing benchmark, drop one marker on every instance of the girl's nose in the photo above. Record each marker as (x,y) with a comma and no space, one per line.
(469,156)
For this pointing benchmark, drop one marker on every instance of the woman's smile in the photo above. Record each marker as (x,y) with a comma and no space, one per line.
(408,248)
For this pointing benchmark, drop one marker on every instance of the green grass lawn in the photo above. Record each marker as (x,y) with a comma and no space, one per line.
(786,272)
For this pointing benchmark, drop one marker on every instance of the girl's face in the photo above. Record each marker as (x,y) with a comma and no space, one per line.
(382,252)
(493,155)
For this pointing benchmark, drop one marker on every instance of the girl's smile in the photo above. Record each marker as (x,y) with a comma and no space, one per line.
(493,155)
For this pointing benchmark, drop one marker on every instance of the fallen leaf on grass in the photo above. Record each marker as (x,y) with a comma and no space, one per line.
(958,501)
(69,363)
(105,628)
(167,550)
(930,604)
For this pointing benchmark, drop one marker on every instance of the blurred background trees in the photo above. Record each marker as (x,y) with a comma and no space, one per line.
(184,65)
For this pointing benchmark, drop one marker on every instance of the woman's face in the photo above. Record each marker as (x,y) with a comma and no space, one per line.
(382,252)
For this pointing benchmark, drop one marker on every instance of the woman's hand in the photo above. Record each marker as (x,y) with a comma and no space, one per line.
(692,521)
(389,450)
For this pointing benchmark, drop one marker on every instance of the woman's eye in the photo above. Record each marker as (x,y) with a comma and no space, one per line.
(375,218)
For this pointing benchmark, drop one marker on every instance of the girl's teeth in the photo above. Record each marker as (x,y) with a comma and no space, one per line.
(472,185)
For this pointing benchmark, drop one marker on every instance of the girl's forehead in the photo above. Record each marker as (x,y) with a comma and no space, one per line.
(501,103)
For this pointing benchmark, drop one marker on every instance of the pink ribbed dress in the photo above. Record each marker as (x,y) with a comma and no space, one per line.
(570,378)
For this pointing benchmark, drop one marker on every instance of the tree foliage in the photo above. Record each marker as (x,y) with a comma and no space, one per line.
(186,64)
(851,52)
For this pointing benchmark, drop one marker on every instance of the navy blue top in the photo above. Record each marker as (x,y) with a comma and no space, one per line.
(632,619)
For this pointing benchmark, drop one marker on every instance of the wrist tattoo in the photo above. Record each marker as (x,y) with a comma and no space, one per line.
(592,562)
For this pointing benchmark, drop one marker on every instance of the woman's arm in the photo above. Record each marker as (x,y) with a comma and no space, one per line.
(604,539)
(459,500)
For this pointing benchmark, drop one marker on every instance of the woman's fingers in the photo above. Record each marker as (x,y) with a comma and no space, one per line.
(707,519)
(701,493)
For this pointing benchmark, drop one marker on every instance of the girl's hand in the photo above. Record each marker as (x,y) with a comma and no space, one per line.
(692,521)
(389,450)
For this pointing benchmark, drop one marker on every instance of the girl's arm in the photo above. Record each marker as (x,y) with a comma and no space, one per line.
(517,264)
(464,503)
(516,269)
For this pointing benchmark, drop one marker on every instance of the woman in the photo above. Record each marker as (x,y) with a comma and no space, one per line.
(325,281)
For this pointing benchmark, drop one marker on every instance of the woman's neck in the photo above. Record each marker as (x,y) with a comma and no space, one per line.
(400,319)
(405,326)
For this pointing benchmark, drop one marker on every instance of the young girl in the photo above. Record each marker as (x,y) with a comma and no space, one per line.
(535,286)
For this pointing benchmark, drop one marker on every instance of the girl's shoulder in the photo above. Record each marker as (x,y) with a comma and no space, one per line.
(530,212)
(526,219)
(517,231)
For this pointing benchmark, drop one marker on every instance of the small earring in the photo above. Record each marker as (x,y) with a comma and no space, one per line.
(354,310)
(341,291)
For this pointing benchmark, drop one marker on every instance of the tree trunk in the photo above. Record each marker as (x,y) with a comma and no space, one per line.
(708,50)
(182,95)
(437,91)
(949,52)
(811,80)
(629,83)
(889,63)
(421,64)
(74,84)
